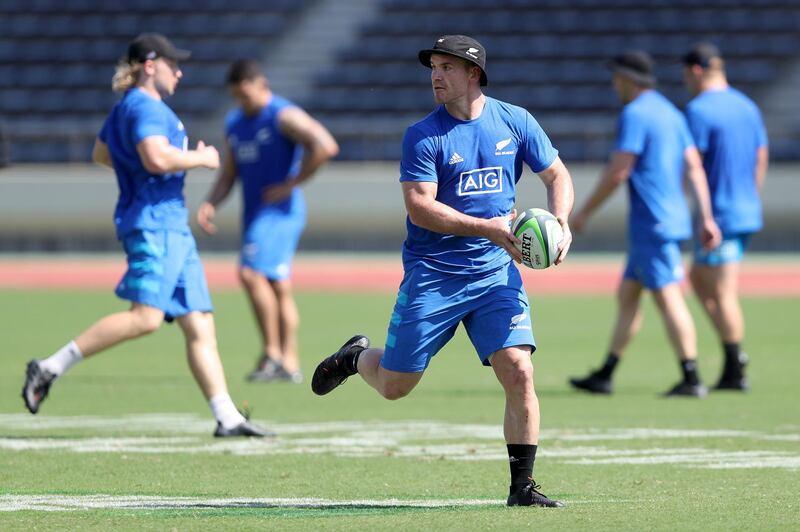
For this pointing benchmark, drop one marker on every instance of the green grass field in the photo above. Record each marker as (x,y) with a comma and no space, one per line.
(124,440)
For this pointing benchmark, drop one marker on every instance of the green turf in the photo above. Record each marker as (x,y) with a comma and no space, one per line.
(150,375)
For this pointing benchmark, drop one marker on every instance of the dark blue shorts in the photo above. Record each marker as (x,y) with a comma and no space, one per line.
(492,306)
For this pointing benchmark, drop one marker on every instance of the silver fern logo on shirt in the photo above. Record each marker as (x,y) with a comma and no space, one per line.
(502,144)
(481,181)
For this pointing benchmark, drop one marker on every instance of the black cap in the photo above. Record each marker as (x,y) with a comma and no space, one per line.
(459,46)
(153,45)
(701,54)
(635,65)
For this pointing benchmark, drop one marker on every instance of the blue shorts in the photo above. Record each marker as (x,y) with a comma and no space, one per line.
(655,265)
(270,242)
(492,306)
(165,272)
(731,249)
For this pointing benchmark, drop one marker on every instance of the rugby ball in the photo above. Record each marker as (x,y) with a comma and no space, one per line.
(539,233)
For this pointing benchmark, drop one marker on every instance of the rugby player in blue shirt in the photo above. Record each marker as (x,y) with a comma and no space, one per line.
(146,145)
(653,153)
(730,135)
(273,147)
(459,171)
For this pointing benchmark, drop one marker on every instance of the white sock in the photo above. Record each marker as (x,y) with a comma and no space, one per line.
(63,359)
(225,411)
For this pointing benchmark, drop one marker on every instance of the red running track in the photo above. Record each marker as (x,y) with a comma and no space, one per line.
(327,273)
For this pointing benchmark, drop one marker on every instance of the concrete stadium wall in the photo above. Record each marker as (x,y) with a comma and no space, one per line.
(352,206)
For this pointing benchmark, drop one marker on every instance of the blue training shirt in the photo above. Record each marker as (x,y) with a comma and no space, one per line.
(476,164)
(728,130)
(264,156)
(146,201)
(653,129)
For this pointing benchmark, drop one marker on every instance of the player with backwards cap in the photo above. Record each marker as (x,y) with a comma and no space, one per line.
(459,171)
(654,153)
(273,146)
(731,137)
(146,145)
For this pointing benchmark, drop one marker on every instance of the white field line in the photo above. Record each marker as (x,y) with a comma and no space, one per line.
(428,430)
(67,503)
(189,434)
(50,503)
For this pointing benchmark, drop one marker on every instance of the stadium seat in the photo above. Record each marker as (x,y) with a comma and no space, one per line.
(57,59)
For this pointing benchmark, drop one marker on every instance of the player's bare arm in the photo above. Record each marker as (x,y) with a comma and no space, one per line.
(160,157)
(100,154)
(318,147)
(710,235)
(560,200)
(762,162)
(426,212)
(226,178)
(616,172)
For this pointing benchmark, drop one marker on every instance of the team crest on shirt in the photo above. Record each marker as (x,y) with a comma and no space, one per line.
(264,136)
(481,181)
(501,145)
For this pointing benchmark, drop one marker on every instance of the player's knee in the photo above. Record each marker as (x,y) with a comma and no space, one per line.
(395,390)
(148,321)
(247,276)
(523,376)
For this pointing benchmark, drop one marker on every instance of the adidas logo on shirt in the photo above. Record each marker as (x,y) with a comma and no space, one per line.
(456,158)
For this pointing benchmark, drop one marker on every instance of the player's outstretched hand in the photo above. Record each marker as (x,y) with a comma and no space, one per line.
(205,217)
(499,231)
(209,155)
(566,242)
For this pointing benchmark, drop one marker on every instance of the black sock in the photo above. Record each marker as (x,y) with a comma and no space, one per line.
(350,360)
(689,368)
(608,368)
(732,356)
(520,459)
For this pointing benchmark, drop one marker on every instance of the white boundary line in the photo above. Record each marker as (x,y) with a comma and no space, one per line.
(69,503)
(427,440)
(53,503)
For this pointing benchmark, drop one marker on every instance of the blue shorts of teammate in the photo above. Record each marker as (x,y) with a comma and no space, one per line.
(165,272)
(655,265)
(731,249)
(492,306)
(270,242)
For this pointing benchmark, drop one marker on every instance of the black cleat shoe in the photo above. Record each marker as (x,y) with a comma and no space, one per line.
(266,371)
(684,389)
(593,383)
(37,384)
(331,372)
(740,383)
(245,428)
(529,495)
(734,378)
(295,377)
